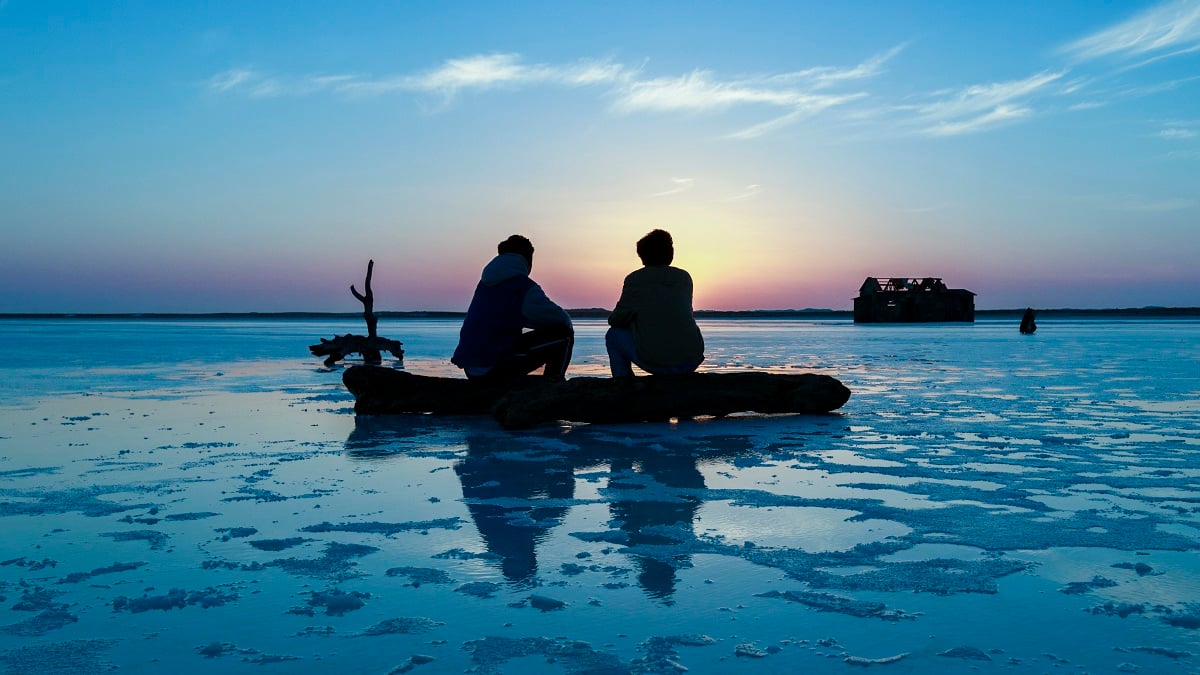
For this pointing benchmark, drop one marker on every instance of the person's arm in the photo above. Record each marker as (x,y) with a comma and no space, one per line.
(540,311)
(623,314)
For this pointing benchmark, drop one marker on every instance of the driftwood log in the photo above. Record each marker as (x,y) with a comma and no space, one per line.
(369,346)
(341,346)
(534,400)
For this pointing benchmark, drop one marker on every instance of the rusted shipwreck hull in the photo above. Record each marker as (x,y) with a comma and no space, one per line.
(533,400)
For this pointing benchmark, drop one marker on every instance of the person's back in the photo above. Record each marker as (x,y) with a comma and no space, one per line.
(652,323)
(494,321)
(492,342)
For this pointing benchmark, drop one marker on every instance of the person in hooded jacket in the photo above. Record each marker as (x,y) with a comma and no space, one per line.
(652,325)
(493,343)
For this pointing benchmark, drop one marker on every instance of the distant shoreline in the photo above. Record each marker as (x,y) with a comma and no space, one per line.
(600,313)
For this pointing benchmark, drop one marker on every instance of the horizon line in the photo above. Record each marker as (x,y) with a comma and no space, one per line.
(581,312)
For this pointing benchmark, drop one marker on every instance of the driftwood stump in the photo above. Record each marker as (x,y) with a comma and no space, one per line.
(369,346)
(535,400)
(341,346)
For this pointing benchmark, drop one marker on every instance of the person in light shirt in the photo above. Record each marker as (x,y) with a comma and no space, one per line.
(652,325)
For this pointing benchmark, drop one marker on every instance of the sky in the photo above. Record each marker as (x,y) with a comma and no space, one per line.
(252,157)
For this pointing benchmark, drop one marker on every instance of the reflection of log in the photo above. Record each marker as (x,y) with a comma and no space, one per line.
(343,345)
(590,399)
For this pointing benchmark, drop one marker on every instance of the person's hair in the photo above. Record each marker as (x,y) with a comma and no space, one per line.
(656,248)
(519,245)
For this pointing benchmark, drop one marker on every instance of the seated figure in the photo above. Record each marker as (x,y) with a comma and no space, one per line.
(652,325)
(493,343)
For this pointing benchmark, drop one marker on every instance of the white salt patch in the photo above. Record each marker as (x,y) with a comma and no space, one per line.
(805,528)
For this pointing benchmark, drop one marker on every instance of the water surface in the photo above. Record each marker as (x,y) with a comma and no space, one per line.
(198,496)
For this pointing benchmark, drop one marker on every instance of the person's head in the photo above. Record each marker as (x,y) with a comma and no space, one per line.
(519,245)
(656,248)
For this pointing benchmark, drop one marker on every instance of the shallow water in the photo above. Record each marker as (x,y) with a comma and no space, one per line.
(197,496)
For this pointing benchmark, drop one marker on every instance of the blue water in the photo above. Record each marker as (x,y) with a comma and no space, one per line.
(198,496)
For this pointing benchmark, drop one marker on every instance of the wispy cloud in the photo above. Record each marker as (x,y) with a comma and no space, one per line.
(797,95)
(256,84)
(1177,134)
(826,76)
(984,106)
(231,79)
(479,72)
(681,185)
(491,71)
(749,192)
(800,94)
(1166,30)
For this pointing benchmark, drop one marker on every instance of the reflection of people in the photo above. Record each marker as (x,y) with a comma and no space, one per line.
(491,343)
(513,532)
(1027,323)
(652,325)
(642,517)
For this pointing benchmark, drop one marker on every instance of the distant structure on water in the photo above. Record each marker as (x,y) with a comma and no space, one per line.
(907,300)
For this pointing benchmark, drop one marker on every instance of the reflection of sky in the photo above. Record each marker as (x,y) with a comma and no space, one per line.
(725,528)
(809,529)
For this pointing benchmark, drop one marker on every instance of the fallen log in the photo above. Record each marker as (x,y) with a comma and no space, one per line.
(534,400)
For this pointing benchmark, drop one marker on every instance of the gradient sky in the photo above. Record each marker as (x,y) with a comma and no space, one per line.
(234,156)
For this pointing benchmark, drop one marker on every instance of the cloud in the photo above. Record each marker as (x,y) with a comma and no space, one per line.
(1000,115)
(231,79)
(750,191)
(825,76)
(798,94)
(696,91)
(681,185)
(984,106)
(1166,30)
(702,91)
(255,84)
(479,72)
(488,71)
(1176,133)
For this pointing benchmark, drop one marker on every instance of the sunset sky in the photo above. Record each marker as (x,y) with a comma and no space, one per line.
(233,156)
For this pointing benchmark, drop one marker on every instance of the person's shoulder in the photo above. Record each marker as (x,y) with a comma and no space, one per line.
(636,274)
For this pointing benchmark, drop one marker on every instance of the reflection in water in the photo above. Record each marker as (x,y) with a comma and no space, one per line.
(518,487)
(657,520)
(513,530)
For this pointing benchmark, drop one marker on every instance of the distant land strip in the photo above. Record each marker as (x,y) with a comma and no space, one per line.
(600,313)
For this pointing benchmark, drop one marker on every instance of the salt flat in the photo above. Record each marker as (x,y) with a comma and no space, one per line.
(985,502)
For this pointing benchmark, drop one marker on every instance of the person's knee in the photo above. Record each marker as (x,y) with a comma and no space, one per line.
(617,336)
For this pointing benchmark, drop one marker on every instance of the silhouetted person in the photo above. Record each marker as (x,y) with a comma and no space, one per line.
(653,325)
(492,343)
(1027,324)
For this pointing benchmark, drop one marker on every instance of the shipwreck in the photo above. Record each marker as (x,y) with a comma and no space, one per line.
(911,300)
